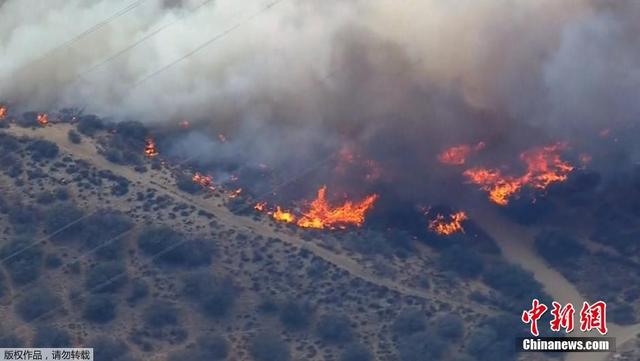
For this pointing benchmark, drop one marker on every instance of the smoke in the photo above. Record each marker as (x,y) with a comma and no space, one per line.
(295,79)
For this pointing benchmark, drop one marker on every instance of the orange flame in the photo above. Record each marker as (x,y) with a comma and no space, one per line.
(206,181)
(449,226)
(235,193)
(3,112)
(283,216)
(544,167)
(184,124)
(321,215)
(43,119)
(150,148)
(458,155)
(260,206)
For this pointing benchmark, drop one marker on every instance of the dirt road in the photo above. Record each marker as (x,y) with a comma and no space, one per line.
(516,243)
(87,151)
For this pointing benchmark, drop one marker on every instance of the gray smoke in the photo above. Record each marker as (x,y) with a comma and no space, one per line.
(402,79)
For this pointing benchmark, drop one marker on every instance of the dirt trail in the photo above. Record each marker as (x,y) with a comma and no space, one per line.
(516,243)
(87,151)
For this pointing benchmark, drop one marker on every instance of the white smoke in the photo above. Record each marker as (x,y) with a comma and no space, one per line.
(308,62)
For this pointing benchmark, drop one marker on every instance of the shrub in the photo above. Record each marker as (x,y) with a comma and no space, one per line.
(557,247)
(513,281)
(206,348)
(160,314)
(48,336)
(409,321)
(74,137)
(11,341)
(24,219)
(139,290)
(43,149)
(295,315)
(104,232)
(462,261)
(449,325)
(356,352)
(62,222)
(106,277)
(3,285)
(214,297)
(100,309)
(23,260)
(109,349)
(622,313)
(132,130)
(421,346)
(334,329)
(269,347)
(491,340)
(45,198)
(186,184)
(37,303)
(168,247)
(28,119)
(89,125)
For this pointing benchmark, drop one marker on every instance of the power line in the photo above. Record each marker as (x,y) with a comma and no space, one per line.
(84,33)
(206,43)
(138,42)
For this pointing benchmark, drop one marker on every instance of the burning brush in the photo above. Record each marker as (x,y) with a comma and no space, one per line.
(451,224)
(206,181)
(458,155)
(150,148)
(43,119)
(544,167)
(3,112)
(321,215)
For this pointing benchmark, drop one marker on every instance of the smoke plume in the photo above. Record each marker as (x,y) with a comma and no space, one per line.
(293,80)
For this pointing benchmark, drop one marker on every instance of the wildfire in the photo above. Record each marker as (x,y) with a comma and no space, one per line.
(3,112)
(458,155)
(260,206)
(544,167)
(43,119)
(206,181)
(222,138)
(322,215)
(235,193)
(283,216)
(150,148)
(446,226)
(184,124)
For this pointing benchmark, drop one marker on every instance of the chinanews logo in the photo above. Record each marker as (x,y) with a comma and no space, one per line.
(592,317)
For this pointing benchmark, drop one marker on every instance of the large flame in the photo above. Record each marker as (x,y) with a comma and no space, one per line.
(43,119)
(321,215)
(150,148)
(458,155)
(544,167)
(446,226)
(3,112)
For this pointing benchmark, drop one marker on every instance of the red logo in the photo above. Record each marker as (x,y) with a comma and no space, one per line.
(562,317)
(533,315)
(592,317)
